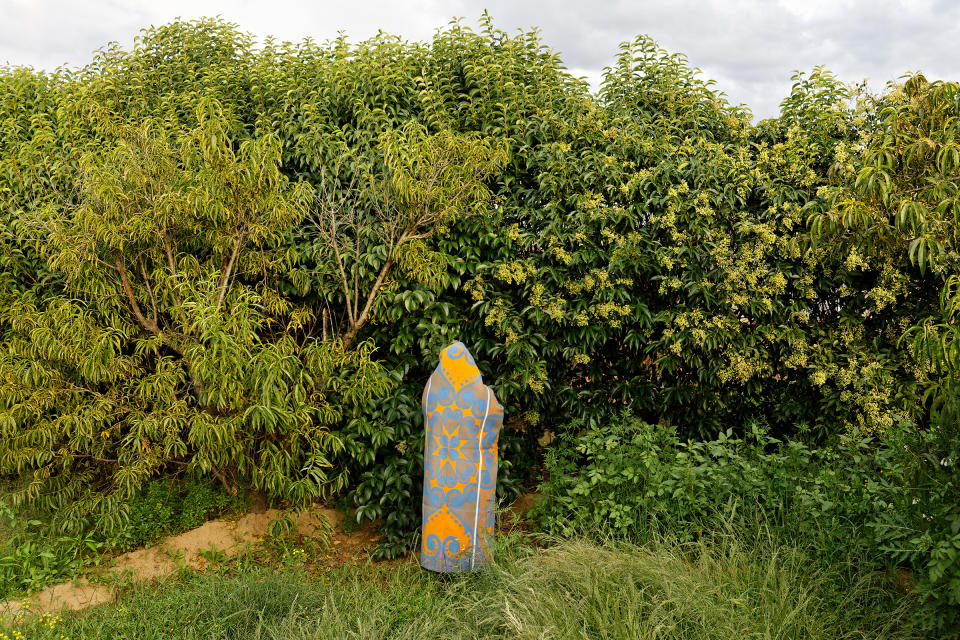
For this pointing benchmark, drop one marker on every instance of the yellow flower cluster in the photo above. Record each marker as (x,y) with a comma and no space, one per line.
(855,261)
(672,284)
(805,286)
(557,250)
(515,272)
(865,387)
(596,280)
(561,254)
(633,182)
(555,309)
(891,284)
(611,312)
(798,355)
(535,383)
(475,288)
(536,294)
(739,369)
(614,237)
(496,315)
(590,201)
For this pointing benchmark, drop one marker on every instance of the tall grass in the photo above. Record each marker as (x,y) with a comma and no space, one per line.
(724,588)
(697,590)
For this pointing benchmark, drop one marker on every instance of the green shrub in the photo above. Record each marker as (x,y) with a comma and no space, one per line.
(163,508)
(885,504)
(30,560)
(933,483)
(189,228)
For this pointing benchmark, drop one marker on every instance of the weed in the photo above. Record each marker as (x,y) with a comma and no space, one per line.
(718,588)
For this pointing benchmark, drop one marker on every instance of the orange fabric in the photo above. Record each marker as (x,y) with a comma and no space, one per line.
(463,420)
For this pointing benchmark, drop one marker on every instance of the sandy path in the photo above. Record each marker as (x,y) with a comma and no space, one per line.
(228,536)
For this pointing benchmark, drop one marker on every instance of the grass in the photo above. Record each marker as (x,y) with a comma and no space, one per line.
(33,557)
(719,589)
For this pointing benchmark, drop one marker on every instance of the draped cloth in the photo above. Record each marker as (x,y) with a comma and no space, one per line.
(463,420)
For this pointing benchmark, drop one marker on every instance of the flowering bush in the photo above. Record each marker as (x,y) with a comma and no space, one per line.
(189,227)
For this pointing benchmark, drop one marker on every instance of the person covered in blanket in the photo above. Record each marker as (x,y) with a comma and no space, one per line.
(462,422)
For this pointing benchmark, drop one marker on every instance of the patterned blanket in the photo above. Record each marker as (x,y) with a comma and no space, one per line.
(463,420)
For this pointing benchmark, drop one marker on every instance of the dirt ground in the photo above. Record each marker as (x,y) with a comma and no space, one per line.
(225,538)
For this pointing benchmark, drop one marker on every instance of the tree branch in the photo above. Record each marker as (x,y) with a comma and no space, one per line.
(146,323)
(146,281)
(171,263)
(344,280)
(228,270)
(372,295)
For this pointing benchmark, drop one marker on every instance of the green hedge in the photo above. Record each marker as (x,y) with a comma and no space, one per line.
(888,505)
(175,295)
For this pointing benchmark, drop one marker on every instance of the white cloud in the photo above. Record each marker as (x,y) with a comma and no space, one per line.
(750,47)
(816,9)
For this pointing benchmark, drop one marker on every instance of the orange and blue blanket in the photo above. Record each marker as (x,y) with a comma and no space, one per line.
(463,420)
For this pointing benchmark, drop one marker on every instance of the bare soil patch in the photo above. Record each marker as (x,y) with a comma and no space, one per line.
(225,536)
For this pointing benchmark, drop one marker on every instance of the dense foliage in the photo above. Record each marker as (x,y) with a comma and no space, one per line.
(241,262)
(877,506)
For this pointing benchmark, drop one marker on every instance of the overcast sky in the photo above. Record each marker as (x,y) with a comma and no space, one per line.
(750,47)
